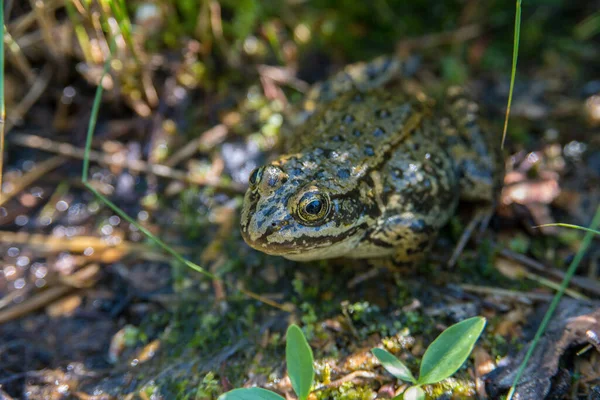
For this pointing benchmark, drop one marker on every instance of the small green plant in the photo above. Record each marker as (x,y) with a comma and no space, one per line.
(299,360)
(441,359)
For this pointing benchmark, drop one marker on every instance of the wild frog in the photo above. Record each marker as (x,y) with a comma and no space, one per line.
(371,171)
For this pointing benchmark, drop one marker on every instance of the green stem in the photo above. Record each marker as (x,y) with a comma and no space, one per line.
(514,68)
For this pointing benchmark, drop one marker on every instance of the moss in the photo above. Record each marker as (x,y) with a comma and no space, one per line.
(347,391)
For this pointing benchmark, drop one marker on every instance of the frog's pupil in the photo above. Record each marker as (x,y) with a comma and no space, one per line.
(314,207)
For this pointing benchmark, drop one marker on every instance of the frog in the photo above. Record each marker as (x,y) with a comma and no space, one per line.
(371,171)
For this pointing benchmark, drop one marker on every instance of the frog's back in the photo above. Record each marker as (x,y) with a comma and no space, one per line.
(362,128)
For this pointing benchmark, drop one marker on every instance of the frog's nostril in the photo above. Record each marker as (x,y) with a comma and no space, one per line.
(255,176)
(271,178)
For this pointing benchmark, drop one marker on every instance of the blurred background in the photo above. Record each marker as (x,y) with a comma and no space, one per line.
(196,96)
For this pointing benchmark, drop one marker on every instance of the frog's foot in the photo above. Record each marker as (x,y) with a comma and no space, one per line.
(480,219)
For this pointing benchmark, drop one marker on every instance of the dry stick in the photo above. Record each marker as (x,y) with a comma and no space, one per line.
(38,88)
(21,24)
(462,34)
(66,149)
(505,292)
(351,376)
(36,173)
(17,58)
(45,23)
(205,141)
(76,244)
(34,303)
(591,286)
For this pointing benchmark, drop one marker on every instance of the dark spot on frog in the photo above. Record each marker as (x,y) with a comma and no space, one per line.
(356,132)
(348,119)
(268,212)
(378,132)
(273,179)
(320,175)
(337,138)
(471,123)
(398,173)
(343,173)
(295,172)
(374,71)
(369,150)
(357,98)
(383,113)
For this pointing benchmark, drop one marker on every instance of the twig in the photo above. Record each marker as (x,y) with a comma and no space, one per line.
(204,142)
(591,286)
(36,173)
(45,23)
(66,149)
(351,376)
(283,75)
(37,89)
(461,34)
(36,302)
(21,24)
(17,58)
(494,291)
(76,244)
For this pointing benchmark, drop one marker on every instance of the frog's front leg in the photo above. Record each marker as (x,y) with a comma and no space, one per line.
(410,238)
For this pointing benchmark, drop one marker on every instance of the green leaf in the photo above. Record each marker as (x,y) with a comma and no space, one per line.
(450,350)
(299,359)
(250,394)
(414,393)
(393,365)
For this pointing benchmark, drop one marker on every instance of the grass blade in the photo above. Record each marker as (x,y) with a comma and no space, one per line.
(581,228)
(587,240)
(2,110)
(514,67)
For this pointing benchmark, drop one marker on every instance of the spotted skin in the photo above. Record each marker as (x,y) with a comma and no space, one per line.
(370,172)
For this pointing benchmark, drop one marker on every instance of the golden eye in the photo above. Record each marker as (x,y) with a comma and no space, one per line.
(313,207)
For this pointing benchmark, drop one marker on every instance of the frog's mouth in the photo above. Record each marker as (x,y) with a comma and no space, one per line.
(307,248)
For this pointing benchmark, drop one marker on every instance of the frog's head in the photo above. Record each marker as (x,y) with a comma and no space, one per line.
(297,210)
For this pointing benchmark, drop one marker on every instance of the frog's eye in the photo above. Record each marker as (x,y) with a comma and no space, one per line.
(255,177)
(313,207)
